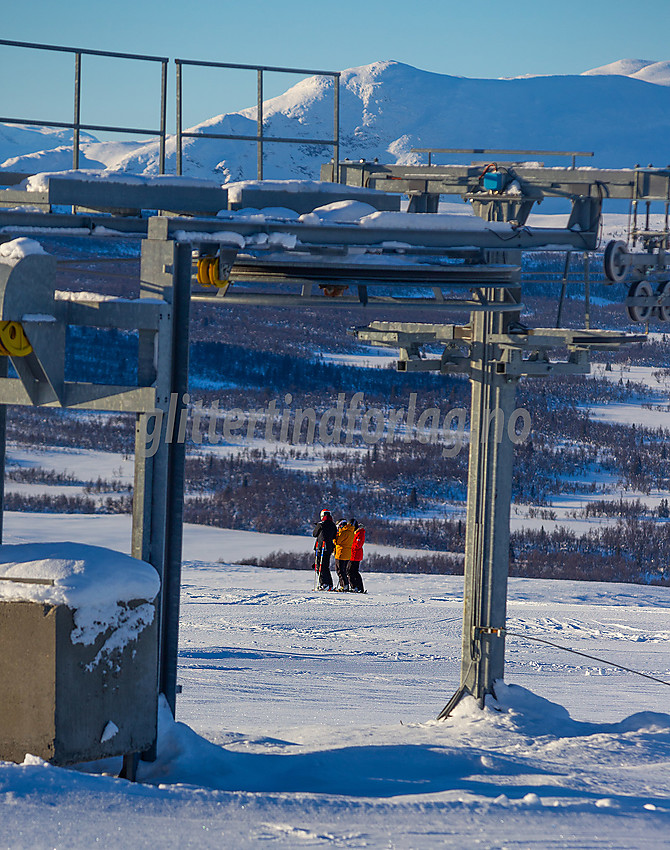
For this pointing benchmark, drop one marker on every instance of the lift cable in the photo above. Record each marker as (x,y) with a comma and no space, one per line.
(449,707)
(585,655)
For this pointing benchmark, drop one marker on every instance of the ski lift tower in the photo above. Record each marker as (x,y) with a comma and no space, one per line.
(496,349)
(200,253)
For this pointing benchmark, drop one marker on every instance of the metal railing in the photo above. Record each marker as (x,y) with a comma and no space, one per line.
(260,138)
(76,125)
(496,151)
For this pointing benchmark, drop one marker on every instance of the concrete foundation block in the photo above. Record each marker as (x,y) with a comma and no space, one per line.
(69,702)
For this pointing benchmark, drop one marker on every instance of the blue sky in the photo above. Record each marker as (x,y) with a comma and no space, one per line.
(478,38)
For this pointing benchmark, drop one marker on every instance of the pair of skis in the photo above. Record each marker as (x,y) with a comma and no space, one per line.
(319,552)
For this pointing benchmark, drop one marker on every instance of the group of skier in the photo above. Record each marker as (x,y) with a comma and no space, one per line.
(346,541)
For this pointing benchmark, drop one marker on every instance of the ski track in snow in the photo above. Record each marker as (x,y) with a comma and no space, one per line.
(307,720)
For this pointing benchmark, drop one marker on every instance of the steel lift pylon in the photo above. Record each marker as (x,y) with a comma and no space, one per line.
(499,350)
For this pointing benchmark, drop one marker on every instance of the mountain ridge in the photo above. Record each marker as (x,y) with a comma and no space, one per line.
(388,107)
(647,70)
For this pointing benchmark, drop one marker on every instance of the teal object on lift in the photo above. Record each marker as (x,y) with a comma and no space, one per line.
(494,181)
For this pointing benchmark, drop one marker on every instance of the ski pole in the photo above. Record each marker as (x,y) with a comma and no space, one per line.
(317,564)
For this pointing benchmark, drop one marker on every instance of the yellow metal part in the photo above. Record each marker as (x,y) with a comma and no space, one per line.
(203,271)
(208,273)
(13,340)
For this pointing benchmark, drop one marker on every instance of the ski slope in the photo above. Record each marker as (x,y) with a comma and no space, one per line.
(308,720)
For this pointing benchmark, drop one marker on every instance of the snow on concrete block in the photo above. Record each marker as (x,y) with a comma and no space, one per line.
(436,221)
(15,250)
(110,190)
(78,628)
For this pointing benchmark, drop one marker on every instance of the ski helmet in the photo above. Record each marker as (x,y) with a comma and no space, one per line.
(325,513)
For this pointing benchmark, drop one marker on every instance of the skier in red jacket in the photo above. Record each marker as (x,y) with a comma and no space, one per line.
(355,580)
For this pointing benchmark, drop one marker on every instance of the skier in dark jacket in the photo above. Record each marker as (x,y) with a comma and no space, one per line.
(324,531)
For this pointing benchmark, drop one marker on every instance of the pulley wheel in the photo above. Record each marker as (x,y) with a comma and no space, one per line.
(201,275)
(204,265)
(13,340)
(641,289)
(616,261)
(213,273)
(664,309)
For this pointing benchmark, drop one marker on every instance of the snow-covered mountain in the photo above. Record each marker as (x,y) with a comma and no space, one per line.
(636,69)
(621,111)
(21,147)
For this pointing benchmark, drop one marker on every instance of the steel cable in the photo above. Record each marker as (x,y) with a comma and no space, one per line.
(586,655)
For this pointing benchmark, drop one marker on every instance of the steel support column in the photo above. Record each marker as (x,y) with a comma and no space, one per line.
(77,111)
(178,118)
(159,479)
(259,124)
(488,507)
(3,450)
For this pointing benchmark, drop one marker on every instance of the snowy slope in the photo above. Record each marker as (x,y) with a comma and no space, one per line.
(308,721)
(58,159)
(657,72)
(622,67)
(389,107)
(637,69)
(18,140)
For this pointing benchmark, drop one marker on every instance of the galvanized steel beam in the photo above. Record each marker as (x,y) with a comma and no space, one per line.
(159,479)
(616,183)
